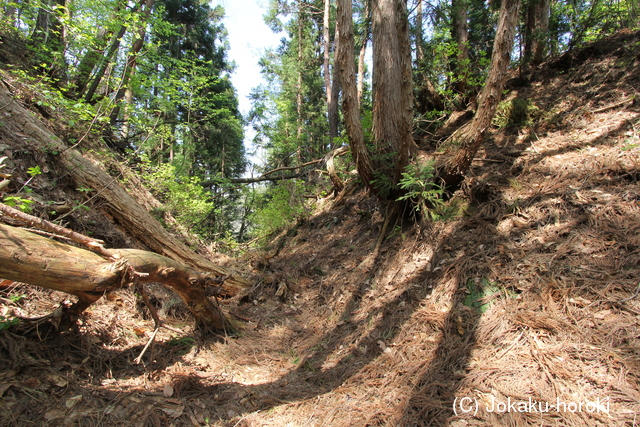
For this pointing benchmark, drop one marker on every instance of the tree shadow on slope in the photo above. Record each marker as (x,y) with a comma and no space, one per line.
(42,372)
(476,243)
(350,345)
(434,393)
(578,246)
(466,249)
(345,349)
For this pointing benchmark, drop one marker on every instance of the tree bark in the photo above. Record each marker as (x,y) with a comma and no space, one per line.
(536,29)
(332,101)
(29,258)
(392,88)
(419,33)
(125,210)
(300,65)
(130,66)
(335,91)
(464,143)
(338,184)
(363,49)
(460,33)
(541,49)
(350,106)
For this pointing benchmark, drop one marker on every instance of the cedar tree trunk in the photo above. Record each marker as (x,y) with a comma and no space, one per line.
(464,143)
(392,89)
(332,99)
(346,72)
(460,33)
(363,50)
(535,33)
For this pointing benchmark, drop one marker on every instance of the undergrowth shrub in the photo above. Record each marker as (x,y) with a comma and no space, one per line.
(43,92)
(420,189)
(183,197)
(279,207)
(516,113)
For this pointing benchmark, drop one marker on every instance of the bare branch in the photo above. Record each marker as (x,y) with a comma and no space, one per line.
(91,244)
(267,175)
(289,168)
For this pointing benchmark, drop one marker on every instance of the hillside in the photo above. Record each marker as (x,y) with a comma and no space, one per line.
(548,234)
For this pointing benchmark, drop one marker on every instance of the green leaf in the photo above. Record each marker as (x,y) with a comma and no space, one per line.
(34,171)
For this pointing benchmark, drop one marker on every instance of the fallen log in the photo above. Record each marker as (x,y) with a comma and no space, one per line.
(29,258)
(18,122)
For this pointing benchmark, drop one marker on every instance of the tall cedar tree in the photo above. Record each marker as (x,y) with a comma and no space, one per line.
(392,93)
(464,143)
(393,147)
(350,98)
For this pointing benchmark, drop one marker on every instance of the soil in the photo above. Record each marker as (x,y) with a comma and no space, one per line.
(521,308)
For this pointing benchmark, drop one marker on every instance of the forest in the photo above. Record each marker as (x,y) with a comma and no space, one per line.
(429,216)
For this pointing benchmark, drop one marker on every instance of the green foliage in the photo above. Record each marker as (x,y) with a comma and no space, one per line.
(454,208)
(289,111)
(182,345)
(384,165)
(184,113)
(367,127)
(7,322)
(470,72)
(480,295)
(420,189)
(439,64)
(18,202)
(17,298)
(516,113)
(279,207)
(576,23)
(631,142)
(34,171)
(430,121)
(383,184)
(184,197)
(184,79)
(47,95)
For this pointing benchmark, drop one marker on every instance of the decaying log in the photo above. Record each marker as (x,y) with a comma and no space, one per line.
(338,185)
(36,260)
(127,212)
(41,224)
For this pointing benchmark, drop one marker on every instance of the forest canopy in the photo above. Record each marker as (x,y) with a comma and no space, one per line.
(151,80)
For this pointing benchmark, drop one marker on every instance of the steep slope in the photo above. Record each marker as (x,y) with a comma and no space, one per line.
(549,242)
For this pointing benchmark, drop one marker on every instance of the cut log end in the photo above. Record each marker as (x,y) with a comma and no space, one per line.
(88,275)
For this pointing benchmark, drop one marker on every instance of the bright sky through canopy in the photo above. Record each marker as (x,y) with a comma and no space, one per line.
(248,37)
